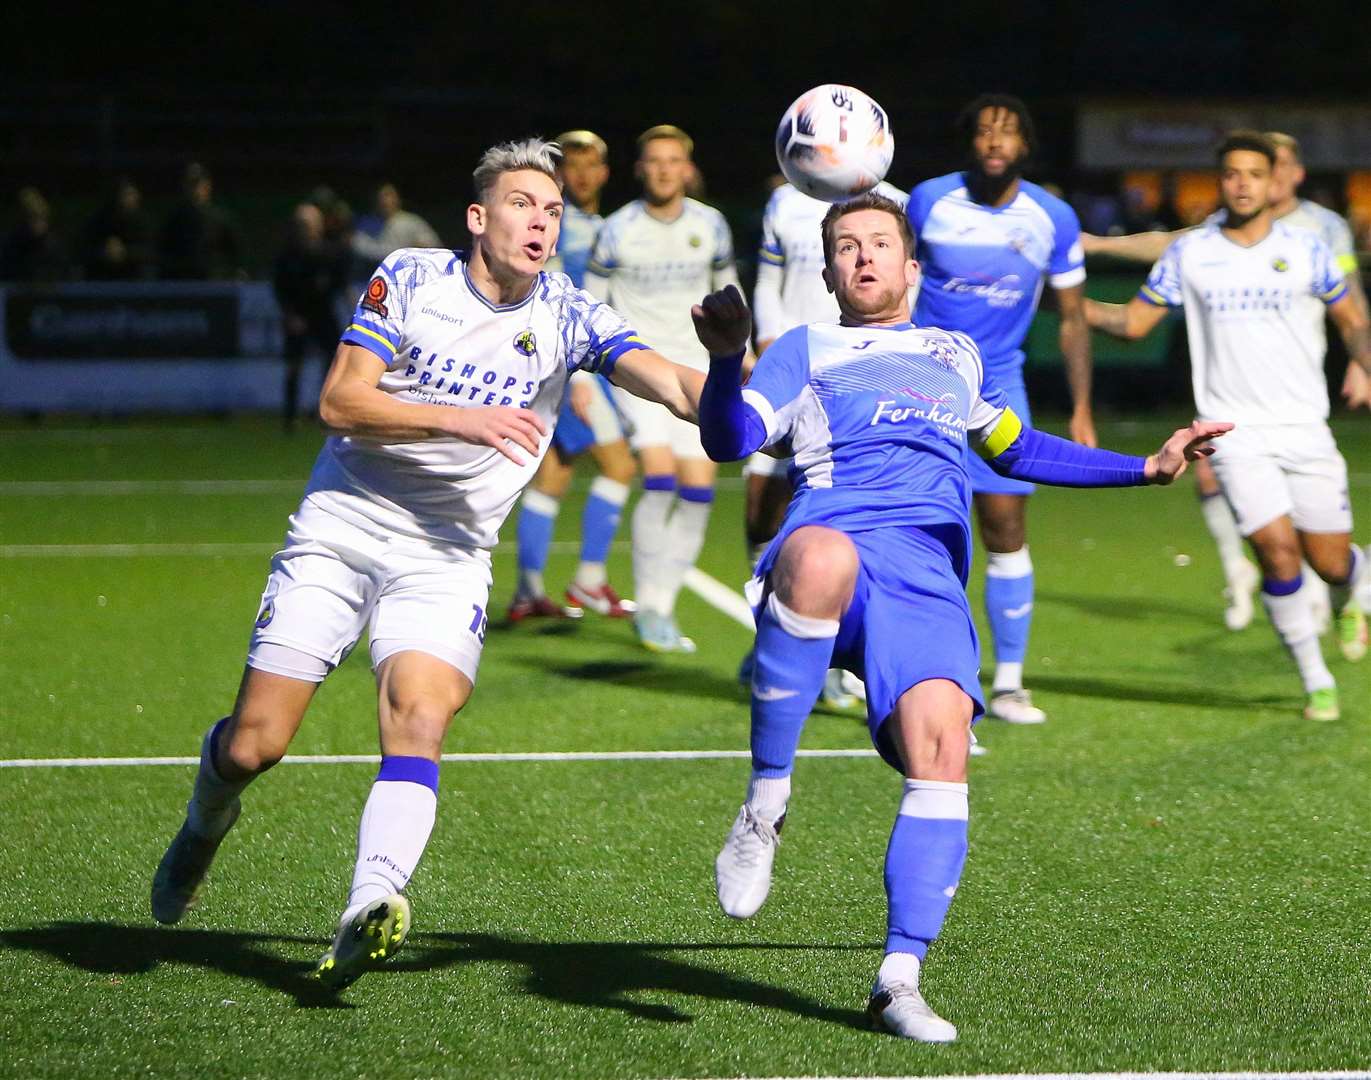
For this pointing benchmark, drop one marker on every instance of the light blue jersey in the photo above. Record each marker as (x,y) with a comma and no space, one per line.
(878,420)
(983,267)
(576,242)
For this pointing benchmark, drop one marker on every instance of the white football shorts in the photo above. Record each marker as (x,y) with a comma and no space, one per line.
(334,579)
(1270,471)
(651,424)
(760,464)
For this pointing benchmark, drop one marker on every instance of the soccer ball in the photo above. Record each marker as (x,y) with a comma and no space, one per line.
(834,143)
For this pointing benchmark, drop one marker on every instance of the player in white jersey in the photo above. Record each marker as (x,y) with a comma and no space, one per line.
(870,566)
(1241,577)
(442,397)
(653,258)
(790,291)
(1254,291)
(588,422)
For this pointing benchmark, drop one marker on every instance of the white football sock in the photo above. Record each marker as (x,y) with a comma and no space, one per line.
(767,796)
(210,810)
(649,547)
(1294,623)
(898,967)
(395,828)
(685,533)
(1223,527)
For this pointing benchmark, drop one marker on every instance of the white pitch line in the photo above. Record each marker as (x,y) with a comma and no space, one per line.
(719,596)
(473,758)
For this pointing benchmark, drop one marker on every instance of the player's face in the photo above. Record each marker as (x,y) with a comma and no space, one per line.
(869,271)
(999,145)
(1286,177)
(663,167)
(1245,183)
(584,173)
(517,228)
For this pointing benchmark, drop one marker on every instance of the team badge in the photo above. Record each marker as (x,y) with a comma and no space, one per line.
(375,297)
(1279,265)
(1018,240)
(526,343)
(696,241)
(264,617)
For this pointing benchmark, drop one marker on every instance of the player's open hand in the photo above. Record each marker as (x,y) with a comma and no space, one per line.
(1186,445)
(501,427)
(722,322)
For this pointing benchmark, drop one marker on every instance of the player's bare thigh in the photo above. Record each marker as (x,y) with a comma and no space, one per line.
(696,472)
(417,697)
(815,573)
(614,460)
(1002,521)
(931,729)
(554,474)
(1205,480)
(266,715)
(1279,547)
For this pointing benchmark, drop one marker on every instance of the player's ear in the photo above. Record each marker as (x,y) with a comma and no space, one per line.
(911,272)
(476,219)
(828,279)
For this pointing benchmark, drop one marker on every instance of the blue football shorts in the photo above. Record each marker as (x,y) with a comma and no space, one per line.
(573,436)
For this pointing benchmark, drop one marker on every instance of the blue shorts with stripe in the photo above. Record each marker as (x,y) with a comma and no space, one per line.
(984,479)
(574,436)
(909,621)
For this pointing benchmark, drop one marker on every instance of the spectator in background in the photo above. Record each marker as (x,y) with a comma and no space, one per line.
(118,239)
(398,228)
(308,277)
(199,241)
(31,251)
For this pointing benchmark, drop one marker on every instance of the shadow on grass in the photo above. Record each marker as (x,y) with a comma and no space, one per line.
(652,675)
(113,949)
(1135,690)
(608,975)
(590,974)
(1133,608)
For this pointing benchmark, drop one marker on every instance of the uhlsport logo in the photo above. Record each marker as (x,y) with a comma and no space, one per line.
(526,343)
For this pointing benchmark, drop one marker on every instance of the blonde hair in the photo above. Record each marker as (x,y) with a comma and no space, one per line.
(1280,139)
(666,131)
(514,156)
(581,139)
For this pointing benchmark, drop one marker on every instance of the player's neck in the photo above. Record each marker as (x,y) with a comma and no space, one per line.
(500,288)
(1285,206)
(667,211)
(992,191)
(1248,231)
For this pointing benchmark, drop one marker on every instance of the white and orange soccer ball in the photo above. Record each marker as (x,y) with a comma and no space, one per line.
(834,142)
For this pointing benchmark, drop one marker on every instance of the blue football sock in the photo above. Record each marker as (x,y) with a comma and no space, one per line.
(923,863)
(1009,609)
(600,519)
(792,657)
(537,516)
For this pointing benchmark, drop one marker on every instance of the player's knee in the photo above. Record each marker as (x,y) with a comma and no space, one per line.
(420,714)
(816,559)
(255,741)
(1003,534)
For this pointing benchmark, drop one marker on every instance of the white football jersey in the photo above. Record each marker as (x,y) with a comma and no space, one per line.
(654,271)
(1254,319)
(444,343)
(1330,227)
(790,286)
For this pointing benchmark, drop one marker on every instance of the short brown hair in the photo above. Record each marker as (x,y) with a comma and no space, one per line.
(1244,139)
(872,200)
(666,131)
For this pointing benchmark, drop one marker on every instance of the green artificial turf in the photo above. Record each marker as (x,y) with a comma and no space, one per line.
(1172,874)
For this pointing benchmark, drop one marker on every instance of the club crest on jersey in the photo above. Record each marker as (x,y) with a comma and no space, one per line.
(375,297)
(1019,239)
(526,343)
(696,241)
(1279,264)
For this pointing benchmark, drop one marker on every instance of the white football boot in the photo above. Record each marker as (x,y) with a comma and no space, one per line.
(1014,707)
(900,1009)
(1238,595)
(742,872)
(365,942)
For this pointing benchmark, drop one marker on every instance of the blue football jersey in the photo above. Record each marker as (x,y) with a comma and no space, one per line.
(878,420)
(984,267)
(575,242)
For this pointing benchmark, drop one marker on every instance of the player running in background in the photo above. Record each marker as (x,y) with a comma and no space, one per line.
(588,420)
(653,259)
(442,393)
(1240,576)
(1254,291)
(987,239)
(871,563)
(790,292)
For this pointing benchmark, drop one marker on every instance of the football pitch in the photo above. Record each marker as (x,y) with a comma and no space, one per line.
(1173,874)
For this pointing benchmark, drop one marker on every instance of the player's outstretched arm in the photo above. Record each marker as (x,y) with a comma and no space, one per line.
(1131,321)
(1185,445)
(1145,247)
(351,403)
(1349,315)
(652,377)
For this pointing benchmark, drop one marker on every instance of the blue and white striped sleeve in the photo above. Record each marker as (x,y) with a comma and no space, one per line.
(378,320)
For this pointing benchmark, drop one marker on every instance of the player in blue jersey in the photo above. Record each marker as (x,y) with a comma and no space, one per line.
(987,240)
(588,422)
(441,398)
(869,568)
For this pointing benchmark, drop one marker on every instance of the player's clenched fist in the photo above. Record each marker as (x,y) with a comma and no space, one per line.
(498,426)
(722,322)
